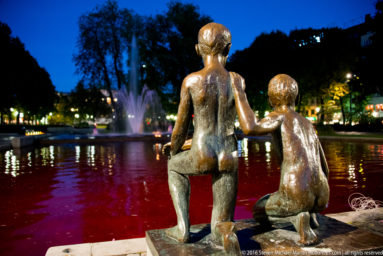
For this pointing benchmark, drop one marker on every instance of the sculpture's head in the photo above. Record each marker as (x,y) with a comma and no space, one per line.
(213,39)
(283,90)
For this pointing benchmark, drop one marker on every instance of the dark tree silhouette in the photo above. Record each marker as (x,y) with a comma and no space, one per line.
(24,83)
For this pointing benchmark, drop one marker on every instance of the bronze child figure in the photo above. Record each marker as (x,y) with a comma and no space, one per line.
(303,189)
(208,94)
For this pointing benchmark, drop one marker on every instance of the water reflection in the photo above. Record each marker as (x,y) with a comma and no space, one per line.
(157,149)
(268,150)
(90,153)
(243,150)
(68,190)
(78,151)
(12,164)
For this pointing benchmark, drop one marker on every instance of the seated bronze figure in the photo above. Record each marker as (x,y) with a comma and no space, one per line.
(303,189)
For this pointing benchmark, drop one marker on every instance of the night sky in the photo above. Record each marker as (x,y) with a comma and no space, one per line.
(49,30)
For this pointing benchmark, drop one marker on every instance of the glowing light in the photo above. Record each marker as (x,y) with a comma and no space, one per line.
(236,124)
(77,116)
(78,152)
(157,134)
(375,114)
(317,109)
(267,113)
(311,118)
(348,75)
(30,133)
(268,146)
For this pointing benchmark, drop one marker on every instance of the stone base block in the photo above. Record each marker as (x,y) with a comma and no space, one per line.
(336,238)
(22,141)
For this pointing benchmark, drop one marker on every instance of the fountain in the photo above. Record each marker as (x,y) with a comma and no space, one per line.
(134,103)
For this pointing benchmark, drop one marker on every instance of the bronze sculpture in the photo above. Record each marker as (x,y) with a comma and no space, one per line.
(303,189)
(213,150)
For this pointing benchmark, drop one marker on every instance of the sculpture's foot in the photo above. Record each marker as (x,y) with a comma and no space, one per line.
(301,223)
(260,216)
(228,239)
(313,220)
(177,233)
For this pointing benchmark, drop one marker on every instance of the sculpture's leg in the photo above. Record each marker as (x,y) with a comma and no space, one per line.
(301,223)
(179,187)
(224,197)
(313,220)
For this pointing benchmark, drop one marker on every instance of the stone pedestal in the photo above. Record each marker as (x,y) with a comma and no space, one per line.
(22,141)
(336,238)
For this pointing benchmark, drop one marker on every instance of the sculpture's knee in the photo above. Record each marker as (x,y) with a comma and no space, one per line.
(259,210)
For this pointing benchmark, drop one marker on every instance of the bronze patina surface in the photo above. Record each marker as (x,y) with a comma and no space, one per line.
(213,150)
(303,189)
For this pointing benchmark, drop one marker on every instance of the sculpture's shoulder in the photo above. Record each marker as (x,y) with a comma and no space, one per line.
(234,74)
(237,80)
(298,125)
(192,80)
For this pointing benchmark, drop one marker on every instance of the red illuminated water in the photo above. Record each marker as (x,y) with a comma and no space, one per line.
(71,193)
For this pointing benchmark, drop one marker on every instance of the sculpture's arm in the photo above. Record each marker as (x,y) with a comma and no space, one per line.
(247,119)
(183,119)
(323,160)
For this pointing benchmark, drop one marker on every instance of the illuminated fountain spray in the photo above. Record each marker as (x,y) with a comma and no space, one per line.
(135,104)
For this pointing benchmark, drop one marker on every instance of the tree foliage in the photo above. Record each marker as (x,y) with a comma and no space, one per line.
(267,56)
(24,83)
(82,104)
(166,46)
(315,58)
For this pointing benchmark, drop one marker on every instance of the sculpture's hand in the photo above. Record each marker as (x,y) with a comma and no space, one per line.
(187,145)
(166,149)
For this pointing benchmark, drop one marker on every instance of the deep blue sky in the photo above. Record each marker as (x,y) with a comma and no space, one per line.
(48,28)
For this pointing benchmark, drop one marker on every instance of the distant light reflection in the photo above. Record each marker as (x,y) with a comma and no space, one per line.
(51,155)
(351,174)
(29,157)
(78,151)
(12,164)
(267,154)
(157,149)
(90,153)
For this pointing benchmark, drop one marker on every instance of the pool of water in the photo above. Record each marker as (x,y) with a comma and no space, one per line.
(69,193)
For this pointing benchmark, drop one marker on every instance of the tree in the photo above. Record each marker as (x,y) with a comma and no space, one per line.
(88,102)
(101,46)
(315,58)
(334,99)
(166,47)
(167,50)
(267,56)
(6,48)
(370,63)
(24,81)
